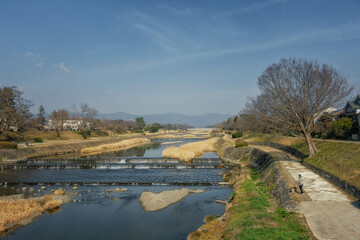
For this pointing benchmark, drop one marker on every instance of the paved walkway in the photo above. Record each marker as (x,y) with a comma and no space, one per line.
(329,212)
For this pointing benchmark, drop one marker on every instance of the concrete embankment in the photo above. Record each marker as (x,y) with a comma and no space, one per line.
(9,156)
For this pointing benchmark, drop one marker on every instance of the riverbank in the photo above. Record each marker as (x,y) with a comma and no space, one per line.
(253,214)
(17,211)
(9,156)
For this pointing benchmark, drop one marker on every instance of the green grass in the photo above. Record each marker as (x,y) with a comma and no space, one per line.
(252,215)
(339,159)
(245,159)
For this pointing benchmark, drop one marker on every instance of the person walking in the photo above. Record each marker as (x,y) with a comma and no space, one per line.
(301,183)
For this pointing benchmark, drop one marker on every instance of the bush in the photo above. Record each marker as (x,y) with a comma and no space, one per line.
(236,134)
(38,140)
(85,133)
(8,145)
(240,143)
(139,130)
(341,128)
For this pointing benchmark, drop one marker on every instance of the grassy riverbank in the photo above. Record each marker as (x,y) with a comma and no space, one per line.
(253,214)
(341,159)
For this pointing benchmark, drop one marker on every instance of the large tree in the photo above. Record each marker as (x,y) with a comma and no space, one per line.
(295,91)
(14,109)
(58,118)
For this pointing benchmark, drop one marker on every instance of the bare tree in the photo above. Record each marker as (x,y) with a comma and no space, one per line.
(85,116)
(58,119)
(295,92)
(14,109)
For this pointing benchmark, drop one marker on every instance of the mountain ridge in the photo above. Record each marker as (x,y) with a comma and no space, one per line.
(200,120)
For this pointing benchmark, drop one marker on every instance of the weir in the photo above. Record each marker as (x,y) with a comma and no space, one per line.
(114,163)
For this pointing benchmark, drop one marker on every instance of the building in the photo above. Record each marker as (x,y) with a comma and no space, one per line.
(71,124)
(352,110)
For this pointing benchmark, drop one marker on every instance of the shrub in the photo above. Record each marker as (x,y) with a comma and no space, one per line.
(240,143)
(8,145)
(85,133)
(38,140)
(139,130)
(341,128)
(236,134)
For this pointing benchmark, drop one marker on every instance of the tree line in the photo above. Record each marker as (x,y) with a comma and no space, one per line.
(15,116)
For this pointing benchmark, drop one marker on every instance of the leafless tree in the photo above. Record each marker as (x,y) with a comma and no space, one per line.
(295,92)
(14,109)
(58,119)
(85,116)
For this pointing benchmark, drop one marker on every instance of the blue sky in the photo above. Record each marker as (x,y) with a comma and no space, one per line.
(145,57)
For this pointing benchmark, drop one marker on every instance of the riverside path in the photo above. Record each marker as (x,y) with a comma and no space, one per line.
(329,212)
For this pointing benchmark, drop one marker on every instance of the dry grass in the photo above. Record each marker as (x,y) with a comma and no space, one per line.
(165,136)
(189,151)
(12,211)
(122,145)
(59,191)
(54,204)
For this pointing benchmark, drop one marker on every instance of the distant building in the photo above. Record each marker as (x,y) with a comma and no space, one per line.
(331,111)
(71,124)
(352,110)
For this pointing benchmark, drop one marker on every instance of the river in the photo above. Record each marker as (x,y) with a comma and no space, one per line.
(99,213)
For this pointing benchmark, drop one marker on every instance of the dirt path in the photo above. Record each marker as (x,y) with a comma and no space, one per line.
(330,213)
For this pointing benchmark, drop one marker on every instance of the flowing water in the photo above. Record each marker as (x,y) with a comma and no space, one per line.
(98,213)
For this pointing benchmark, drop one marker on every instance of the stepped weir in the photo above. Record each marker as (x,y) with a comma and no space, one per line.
(114,171)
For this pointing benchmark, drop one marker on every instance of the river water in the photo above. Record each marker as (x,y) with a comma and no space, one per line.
(98,213)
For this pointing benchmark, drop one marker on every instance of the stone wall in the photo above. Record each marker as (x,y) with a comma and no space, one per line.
(233,154)
(271,174)
(350,189)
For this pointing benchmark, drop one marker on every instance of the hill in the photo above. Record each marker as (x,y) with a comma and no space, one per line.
(203,120)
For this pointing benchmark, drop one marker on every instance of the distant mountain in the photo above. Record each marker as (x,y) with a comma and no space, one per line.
(173,118)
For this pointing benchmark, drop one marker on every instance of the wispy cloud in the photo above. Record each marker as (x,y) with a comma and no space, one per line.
(327,35)
(175,11)
(62,67)
(160,33)
(254,7)
(37,59)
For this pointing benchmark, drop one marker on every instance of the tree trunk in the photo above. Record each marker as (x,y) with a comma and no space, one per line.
(58,132)
(312,148)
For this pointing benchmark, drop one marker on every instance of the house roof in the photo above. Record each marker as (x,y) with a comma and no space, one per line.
(354,103)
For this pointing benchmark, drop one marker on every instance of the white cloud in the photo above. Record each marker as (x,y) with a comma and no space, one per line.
(62,67)
(254,7)
(39,64)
